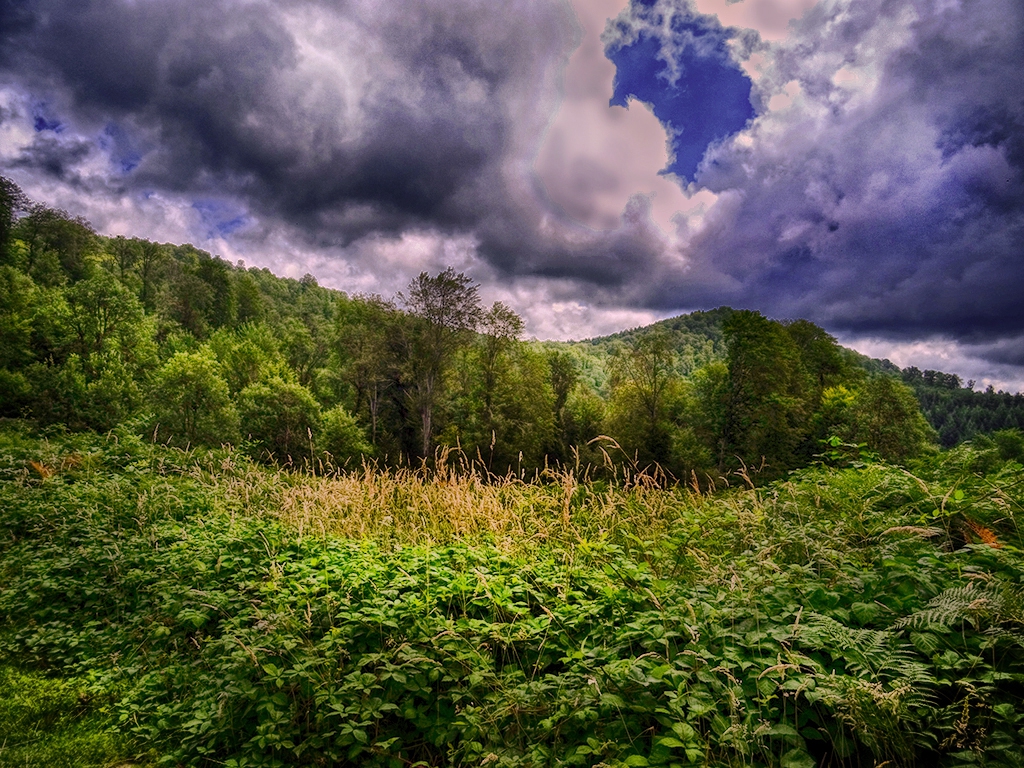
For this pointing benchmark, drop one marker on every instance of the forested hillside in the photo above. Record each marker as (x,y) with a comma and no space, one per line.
(958,412)
(191,350)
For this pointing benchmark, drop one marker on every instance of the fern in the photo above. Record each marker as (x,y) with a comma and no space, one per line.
(874,655)
(997,604)
(883,690)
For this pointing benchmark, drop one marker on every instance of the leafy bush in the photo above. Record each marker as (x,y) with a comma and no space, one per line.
(342,439)
(280,418)
(835,618)
(191,401)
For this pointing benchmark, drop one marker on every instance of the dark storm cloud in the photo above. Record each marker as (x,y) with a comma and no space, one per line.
(887,199)
(53,158)
(346,120)
(898,209)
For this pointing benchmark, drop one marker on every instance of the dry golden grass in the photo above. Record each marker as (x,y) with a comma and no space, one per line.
(416,507)
(456,501)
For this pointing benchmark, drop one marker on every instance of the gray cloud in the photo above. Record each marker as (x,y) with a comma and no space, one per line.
(303,108)
(345,122)
(895,206)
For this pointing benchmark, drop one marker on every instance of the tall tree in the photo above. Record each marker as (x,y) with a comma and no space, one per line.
(766,413)
(643,377)
(152,259)
(56,244)
(565,374)
(501,328)
(12,203)
(364,332)
(445,310)
(125,254)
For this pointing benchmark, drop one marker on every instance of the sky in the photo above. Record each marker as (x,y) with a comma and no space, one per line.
(597,165)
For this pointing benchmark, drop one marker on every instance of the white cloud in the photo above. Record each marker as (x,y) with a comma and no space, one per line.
(769,18)
(942,354)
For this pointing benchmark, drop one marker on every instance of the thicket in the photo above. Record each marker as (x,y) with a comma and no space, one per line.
(182,347)
(215,612)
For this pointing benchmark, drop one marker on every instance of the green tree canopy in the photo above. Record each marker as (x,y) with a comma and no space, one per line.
(281,418)
(445,310)
(767,409)
(887,417)
(191,401)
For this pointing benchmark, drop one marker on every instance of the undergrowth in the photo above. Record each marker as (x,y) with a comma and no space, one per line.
(220,614)
(58,723)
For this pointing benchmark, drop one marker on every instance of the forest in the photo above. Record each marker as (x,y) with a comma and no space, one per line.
(252,521)
(193,351)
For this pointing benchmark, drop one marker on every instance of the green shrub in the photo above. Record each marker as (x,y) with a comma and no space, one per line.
(191,402)
(280,418)
(833,618)
(341,439)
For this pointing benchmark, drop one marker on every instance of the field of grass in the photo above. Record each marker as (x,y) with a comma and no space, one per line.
(159,607)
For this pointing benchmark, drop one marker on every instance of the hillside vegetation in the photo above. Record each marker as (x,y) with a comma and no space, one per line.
(250,521)
(189,350)
(216,612)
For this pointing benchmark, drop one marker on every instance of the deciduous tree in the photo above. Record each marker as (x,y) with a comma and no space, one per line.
(445,310)
(191,401)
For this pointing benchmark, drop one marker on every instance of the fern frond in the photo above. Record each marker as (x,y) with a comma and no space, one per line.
(868,654)
(994,603)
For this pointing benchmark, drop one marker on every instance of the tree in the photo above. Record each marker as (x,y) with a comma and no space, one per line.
(18,298)
(445,311)
(252,307)
(191,299)
(216,273)
(766,412)
(501,331)
(342,438)
(888,419)
(820,355)
(191,401)
(281,418)
(56,243)
(125,254)
(642,375)
(565,374)
(709,414)
(152,259)
(99,309)
(305,351)
(365,329)
(247,355)
(502,409)
(12,202)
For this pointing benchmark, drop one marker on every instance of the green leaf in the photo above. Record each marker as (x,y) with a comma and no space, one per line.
(669,741)
(797,758)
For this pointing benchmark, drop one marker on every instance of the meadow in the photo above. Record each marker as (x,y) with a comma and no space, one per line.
(166,607)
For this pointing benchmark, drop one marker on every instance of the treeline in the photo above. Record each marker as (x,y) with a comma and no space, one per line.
(182,346)
(959,413)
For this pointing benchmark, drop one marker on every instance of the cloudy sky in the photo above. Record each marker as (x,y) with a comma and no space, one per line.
(594,164)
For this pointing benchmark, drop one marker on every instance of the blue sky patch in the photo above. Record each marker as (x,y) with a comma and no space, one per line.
(43,119)
(708,101)
(220,218)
